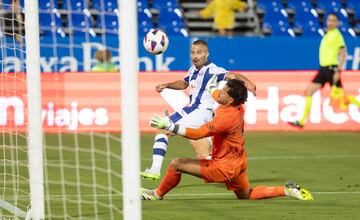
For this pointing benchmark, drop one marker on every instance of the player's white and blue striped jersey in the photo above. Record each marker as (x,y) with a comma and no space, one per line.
(198,79)
(199,97)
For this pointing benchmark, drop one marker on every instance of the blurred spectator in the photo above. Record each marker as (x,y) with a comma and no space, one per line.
(13,22)
(104,64)
(223,12)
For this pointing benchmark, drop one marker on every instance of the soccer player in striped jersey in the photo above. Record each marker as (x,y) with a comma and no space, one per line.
(228,164)
(200,110)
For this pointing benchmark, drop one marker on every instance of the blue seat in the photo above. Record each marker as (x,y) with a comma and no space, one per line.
(347,31)
(307,19)
(75,5)
(144,15)
(159,4)
(175,31)
(312,31)
(142,4)
(81,24)
(276,16)
(329,5)
(105,5)
(48,4)
(278,29)
(355,6)
(298,4)
(171,17)
(50,22)
(268,4)
(109,22)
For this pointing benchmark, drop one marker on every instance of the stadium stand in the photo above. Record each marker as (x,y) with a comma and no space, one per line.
(181,17)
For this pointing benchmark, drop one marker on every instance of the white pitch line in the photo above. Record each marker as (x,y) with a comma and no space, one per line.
(177,195)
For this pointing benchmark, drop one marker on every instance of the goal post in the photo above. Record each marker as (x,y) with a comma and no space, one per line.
(129,108)
(33,79)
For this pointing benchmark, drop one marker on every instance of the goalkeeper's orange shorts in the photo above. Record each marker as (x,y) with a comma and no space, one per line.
(232,173)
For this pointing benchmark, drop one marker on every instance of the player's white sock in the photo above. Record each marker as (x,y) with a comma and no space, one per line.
(159,151)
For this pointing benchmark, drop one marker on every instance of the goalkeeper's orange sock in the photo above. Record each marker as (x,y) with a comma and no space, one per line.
(263,192)
(170,180)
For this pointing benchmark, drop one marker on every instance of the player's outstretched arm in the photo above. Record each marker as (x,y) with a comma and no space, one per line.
(177,85)
(248,83)
(165,123)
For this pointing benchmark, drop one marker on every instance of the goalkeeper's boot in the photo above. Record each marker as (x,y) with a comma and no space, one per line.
(297,124)
(150,175)
(149,194)
(294,190)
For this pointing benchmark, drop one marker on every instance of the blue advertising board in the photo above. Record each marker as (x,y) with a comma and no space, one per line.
(236,53)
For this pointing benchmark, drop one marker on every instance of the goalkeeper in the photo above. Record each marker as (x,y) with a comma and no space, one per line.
(228,164)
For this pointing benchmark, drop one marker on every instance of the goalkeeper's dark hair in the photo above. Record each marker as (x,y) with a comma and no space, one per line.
(237,91)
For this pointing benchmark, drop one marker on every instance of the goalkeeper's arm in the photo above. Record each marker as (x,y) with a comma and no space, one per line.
(191,133)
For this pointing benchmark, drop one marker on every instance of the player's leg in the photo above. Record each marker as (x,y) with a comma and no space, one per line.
(202,148)
(312,88)
(159,150)
(172,177)
(264,192)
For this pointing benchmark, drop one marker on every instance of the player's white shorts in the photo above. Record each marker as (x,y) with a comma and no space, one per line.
(192,117)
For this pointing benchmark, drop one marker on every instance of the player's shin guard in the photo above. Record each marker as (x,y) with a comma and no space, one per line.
(159,151)
(308,102)
(170,181)
(263,192)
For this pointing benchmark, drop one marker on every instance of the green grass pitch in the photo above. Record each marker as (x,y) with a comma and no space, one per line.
(328,164)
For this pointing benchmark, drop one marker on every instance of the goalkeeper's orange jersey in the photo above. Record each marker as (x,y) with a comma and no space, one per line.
(227,131)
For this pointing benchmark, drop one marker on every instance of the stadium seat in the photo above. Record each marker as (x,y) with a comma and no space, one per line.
(105,5)
(279,29)
(269,4)
(144,15)
(75,5)
(109,22)
(142,4)
(49,23)
(354,5)
(80,24)
(276,16)
(171,17)
(312,31)
(329,5)
(298,4)
(159,4)
(305,16)
(48,4)
(347,31)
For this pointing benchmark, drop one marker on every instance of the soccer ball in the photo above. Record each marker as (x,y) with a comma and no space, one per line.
(156,42)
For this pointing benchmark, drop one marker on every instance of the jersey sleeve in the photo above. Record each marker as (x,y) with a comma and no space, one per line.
(340,41)
(220,72)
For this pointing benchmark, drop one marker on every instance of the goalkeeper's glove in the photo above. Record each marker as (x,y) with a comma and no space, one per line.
(162,122)
(212,84)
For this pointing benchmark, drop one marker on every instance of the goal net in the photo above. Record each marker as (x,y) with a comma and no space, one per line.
(82,159)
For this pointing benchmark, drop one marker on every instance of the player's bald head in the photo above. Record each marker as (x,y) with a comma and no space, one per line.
(202,43)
